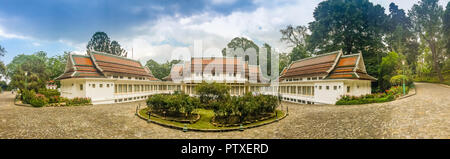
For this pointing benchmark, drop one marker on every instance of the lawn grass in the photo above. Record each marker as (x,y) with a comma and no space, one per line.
(205,120)
(435,79)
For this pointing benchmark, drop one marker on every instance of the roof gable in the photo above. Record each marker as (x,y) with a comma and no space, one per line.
(117,65)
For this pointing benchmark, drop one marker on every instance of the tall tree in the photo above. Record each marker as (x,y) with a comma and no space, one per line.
(298,52)
(350,25)
(426,18)
(160,70)
(101,42)
(399,37)
(243,43)
(116,49)
(2,51)
(294,36)
(398,29)
(446,28)
(2,65)
(283,59)
(35,67)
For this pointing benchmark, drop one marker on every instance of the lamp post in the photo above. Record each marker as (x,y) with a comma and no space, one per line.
(26,83)
(403,78)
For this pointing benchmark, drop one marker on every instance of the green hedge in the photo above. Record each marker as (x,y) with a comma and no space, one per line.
(173,103)
(390,95)
(49,92)
(77,101)
(245,107)
(39,101)
(27,96)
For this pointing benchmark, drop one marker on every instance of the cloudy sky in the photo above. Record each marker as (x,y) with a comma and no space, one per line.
(159,30)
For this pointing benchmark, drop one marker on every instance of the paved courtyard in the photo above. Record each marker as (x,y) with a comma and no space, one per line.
(424,115)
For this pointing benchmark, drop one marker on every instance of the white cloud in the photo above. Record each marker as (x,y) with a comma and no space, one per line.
(219,2)
(5,34)
(215,30)
(36,44)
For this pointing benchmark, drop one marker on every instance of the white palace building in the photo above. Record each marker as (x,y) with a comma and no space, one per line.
(107,78)
(323,79)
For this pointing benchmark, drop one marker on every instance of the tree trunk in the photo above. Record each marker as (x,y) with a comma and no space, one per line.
(436,61)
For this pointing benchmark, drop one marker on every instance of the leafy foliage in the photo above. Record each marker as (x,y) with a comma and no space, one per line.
(299,52)
(101,42)
(241,43)
(39,101)
(426,18)
(387,69)
(27,96)
(398,80)
(78,101)
(244,108)
(49,92)
(212,92)
(172,104)
(36,68)
(295,35)
(161,70)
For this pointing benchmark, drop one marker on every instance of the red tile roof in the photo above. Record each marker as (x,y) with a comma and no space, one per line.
(332,65)
(98,65)
(318,65)
(213,64)
(117,65)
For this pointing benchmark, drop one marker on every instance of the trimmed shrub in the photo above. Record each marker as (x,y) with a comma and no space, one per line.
(39,101)
(78,101)
(390,95)
(173,103)
(245,108)
(27,96)
(398,80)
(49,92)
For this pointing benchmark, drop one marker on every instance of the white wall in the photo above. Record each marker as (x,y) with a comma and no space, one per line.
(100,94)
(329,96)
(70,88)
(358,87)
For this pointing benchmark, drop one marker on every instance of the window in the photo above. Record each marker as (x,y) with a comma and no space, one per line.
(101,85)
(320,78)
(357,86)
(121,77)
(81,87)
(328,87)
(93,85)
(107,85)
(129,78)
(309,78)
(348,89)
(320,87)
(115,76)
(335,87)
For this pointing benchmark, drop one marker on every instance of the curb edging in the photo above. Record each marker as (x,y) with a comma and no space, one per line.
(210,130)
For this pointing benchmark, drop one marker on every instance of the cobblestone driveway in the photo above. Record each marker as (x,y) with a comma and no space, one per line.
(425,115)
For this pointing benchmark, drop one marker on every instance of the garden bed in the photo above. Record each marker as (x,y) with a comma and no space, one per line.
(193,118)
(204,124)
(233,121)
(390,95)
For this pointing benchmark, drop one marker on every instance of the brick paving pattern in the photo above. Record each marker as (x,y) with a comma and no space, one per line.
(424,115)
